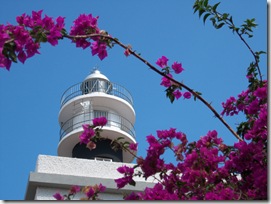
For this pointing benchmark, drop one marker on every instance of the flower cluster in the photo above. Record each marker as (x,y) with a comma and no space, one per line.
(87,134)
(253,103)
(91,132)
(74,189)
(85,25)
(156,193)
(198,169)
(206,170)
(173,91)
(23,40)
(133,146)
(101,121)
(128,176)
(92,192)
(162,62)
(250,156)
(58,196)
(42,29)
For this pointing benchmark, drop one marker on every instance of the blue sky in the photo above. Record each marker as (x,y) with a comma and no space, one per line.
(215,63)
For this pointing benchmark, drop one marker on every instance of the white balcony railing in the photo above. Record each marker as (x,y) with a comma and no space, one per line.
(113,120)
(96,85)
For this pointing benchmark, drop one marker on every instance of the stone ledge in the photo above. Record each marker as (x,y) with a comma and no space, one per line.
(66,181)
(81,167)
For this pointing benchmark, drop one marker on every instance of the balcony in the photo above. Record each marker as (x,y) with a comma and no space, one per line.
(96,85)
(114,121)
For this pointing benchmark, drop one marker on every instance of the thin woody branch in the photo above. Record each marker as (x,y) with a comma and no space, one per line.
(162,74)
(230,23)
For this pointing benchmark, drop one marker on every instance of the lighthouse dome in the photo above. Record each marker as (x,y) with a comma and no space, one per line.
(96,82)
(96,74)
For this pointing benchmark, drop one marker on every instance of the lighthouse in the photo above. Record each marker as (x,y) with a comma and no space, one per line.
(75,164)
(95,97)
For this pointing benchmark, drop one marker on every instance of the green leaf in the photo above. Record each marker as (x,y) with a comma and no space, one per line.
(195,97)
(205,17)
(132,183)
(213,21)
(126,143)
(260,52)
(196,7)
(13,56)
(169,92)
(172,98)
(43,37)
(205,3)
(231,19)
(215,7)
(219,25)
(119,138)
(225,16)
(201,11)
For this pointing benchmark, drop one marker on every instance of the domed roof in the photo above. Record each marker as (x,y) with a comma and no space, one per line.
(96,74)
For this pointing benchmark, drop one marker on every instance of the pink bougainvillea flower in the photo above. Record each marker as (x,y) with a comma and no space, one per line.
(22,56)
(125,170)
(75,189)
(261,92)
(60,22)
(3,35)
(165,81)
(102,51)
(127,52)
(177,94)
(58,196)
(101,121)
(53,36)
(91,145)
(87,134)
(128,176)
(4,62)
(84,138)
(187,95)
(133,146)
(32,49)
(121,182)
(229,107)
(162,62)
(101,187)
(90,192)
(177,67)
(98,48)
(84,24)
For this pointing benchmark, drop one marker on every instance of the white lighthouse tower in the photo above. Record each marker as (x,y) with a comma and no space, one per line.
(75,164)
(96,96)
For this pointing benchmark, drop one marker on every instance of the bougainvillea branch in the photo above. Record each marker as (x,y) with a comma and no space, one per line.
(132,52)
(98,48)
(220,19)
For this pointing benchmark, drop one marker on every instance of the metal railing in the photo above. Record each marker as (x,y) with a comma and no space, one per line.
(113,120)
(97,85)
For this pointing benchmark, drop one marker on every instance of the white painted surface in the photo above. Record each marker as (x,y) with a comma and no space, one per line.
(80,167)
(78,172)
(47,194)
